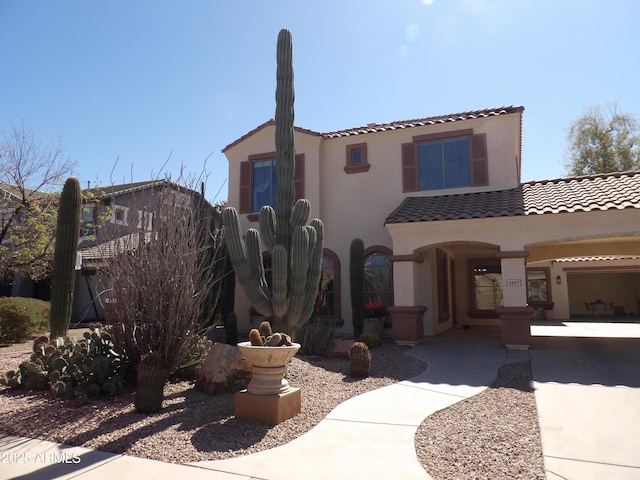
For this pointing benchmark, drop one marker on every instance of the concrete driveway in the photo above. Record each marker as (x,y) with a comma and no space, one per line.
(588,397)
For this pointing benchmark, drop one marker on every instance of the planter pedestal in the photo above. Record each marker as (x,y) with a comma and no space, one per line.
(407,327)
(268,398)
(270,409)
(516,326)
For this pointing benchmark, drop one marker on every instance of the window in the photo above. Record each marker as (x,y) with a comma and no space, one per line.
(88,223)
(145,220)
(444,164)
(258,180)
(357,158)
(378,280)
(538,291)
(263,188)
(487,286)
(445,160)
(119,215)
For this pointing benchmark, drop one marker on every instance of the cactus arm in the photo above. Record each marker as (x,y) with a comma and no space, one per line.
(268,226)
(64,257)
(280,267)
(247,262)
(315,267)
(299,278)
(300,213)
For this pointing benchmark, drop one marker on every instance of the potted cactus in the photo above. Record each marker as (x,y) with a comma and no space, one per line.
(268,353)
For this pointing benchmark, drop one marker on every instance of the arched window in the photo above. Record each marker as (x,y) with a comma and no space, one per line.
(378,276)
(328,300)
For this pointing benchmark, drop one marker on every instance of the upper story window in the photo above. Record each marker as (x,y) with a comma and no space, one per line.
(88,222)
(445,160)
(120,215)
(357,158)
(258,180)
(264,178)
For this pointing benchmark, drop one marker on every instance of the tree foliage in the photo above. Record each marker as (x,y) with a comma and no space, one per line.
(29,174)
(603,140)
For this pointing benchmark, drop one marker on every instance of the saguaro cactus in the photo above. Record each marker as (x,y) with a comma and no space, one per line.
(294,242)
(64,257)
(356,277)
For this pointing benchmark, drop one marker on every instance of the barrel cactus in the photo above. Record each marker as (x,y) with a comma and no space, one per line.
(64,257)
(359,360)
(295,242)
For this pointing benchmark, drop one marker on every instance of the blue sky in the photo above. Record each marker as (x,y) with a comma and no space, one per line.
(146,80)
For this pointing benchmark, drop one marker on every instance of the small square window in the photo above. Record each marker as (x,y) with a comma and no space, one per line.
(357,158)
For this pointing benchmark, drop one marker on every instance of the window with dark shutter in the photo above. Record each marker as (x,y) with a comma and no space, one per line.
(409,168)
(445,160)
(258,188)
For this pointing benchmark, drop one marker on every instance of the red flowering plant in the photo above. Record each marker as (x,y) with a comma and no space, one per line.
(374,309)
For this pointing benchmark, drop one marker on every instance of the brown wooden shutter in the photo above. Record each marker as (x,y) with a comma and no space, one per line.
(479,163)
(245,187)
(299,176)
(409,168)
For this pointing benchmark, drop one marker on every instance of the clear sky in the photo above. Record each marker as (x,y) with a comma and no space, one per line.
(139,81)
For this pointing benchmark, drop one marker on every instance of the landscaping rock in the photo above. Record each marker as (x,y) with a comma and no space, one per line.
(224,370)
(340,348)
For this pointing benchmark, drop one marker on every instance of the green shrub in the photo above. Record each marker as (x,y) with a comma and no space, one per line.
(80,369)
(22,317)
(371,340)
(193,360)
(316,336)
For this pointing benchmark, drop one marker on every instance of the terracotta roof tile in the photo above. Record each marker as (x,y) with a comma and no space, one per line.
(381,127)
(613,191)
(419,122)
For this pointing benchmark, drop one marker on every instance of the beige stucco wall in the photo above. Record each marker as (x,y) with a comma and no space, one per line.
(356,205)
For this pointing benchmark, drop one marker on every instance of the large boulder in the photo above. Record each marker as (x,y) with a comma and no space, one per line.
(224,370)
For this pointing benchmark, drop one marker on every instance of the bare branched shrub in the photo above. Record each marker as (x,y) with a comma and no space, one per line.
(157,281)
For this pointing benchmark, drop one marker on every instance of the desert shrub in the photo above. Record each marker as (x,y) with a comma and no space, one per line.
(316,335)
(371,340)
(73,369)
(158,282)
(22,317)
(193,360)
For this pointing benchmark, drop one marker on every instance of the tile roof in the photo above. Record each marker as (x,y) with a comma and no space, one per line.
(420,122)
(612,191)
(401,124)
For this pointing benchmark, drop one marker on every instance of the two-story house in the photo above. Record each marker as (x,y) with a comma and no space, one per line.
(125,214)
(452,235)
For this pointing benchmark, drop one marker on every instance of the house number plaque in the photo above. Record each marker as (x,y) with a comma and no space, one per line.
(514,282)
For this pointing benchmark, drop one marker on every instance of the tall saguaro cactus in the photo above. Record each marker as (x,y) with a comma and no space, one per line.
(64,257)
(294,241)
(356,276)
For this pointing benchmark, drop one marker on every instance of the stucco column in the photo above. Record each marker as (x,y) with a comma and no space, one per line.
(515,314)
(407,318)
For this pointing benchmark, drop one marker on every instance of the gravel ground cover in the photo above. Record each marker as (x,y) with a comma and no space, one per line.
(492,435)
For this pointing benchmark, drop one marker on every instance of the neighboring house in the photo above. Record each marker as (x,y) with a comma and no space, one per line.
(123,213)
(452,235)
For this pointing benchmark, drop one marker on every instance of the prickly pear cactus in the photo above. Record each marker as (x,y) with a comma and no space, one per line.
(359,360)
(294,241)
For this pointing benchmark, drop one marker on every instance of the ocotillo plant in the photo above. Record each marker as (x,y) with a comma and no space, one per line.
(64,257)
(294,242)
(356,276)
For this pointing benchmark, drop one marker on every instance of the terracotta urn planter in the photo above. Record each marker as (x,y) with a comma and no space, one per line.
(269,366)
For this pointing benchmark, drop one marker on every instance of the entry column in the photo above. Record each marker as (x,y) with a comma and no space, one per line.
(515,314)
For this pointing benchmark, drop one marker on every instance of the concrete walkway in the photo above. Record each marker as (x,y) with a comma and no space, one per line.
(588,397)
